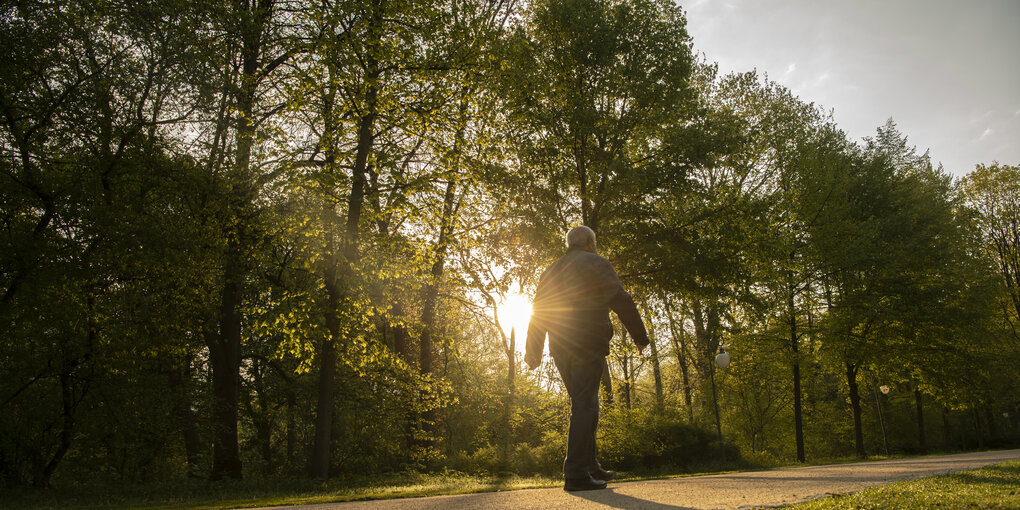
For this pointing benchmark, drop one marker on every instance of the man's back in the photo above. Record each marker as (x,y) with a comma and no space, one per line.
(572,304)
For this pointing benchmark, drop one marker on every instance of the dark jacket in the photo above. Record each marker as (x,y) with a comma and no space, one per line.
(572,305)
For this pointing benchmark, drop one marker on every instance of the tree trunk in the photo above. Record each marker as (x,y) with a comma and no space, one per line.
(291,426)
(798,418)
(321,452)
(262,422)
(511,369)
(446,224)
(401,339)
(855,407)
(978,428)
(990,420)
(715,408)
(511,375)
(921,439)
(947,432)
(225,362)
(656,371)
(680,348)
(177,381)
(430,301)
(706,328)
(66,427)
(431,291)
(225,351)
(344,270)
(625,388)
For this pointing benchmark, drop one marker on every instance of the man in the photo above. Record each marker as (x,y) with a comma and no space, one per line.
(572,305)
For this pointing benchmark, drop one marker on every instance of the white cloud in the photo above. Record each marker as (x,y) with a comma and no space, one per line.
(987,132)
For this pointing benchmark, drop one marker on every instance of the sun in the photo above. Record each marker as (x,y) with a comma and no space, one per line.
(514,313)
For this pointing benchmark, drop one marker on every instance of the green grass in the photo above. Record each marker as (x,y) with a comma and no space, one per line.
(996,486)
(198,494)
(205,495)
(992,487)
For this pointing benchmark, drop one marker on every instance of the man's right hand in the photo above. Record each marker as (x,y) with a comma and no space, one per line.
(532,361)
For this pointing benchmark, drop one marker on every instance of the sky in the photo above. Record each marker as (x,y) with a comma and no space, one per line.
(948,73)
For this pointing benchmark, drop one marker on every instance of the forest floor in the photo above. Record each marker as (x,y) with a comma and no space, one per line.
(746,489)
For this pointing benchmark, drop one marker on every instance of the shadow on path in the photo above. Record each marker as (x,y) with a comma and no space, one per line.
(612,499)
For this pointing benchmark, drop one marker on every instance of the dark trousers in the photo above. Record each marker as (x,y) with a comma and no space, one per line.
(581,375)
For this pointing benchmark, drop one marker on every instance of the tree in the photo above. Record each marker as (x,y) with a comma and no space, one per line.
(93,181)
(993,192)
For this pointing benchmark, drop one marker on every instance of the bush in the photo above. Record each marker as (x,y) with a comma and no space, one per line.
(639,440)
(550,452)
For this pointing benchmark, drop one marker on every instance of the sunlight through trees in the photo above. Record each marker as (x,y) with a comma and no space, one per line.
(290,238)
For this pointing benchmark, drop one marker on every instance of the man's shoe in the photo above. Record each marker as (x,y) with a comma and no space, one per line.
(583,484)
(602,474)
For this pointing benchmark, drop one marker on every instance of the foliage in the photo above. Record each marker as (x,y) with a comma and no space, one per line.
(269,239)
(650,440)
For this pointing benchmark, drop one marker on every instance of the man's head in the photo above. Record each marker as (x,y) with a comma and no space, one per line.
(581,237)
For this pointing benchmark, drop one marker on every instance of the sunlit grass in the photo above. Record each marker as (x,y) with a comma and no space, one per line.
(233,494)
(992,487)
(996,486)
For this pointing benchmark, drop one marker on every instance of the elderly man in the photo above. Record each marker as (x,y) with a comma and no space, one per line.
(572,305)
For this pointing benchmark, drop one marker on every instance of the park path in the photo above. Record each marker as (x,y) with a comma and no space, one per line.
(731,490)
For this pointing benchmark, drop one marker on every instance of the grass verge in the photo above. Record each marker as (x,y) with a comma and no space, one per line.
(996,486)
(204,495)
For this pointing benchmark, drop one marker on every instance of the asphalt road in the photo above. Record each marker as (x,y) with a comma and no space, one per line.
(732,490)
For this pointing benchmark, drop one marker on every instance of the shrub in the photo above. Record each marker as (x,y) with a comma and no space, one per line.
(642,440)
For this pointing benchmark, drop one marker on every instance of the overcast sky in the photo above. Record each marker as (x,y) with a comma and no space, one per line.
(947,72)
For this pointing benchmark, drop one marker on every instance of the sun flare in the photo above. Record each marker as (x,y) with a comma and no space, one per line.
(514,313)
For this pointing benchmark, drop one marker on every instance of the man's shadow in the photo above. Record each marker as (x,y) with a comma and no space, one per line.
(612,499)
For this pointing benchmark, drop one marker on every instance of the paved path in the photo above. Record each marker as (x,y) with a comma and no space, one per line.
(733,490)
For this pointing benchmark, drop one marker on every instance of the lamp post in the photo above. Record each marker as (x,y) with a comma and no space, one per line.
(881,421)
(722,360)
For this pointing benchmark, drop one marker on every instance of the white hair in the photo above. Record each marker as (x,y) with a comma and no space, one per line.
(580,236)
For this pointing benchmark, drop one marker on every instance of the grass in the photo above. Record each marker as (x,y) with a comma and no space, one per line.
(988,487)
(996,486)
(204,495)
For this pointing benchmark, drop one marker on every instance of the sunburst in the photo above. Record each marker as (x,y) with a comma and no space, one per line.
(514,312)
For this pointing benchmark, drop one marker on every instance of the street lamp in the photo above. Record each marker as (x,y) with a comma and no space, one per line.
(885,389)
(722,360)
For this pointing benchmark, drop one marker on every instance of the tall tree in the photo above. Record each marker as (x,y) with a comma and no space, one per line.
(255,47)
(993,191)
